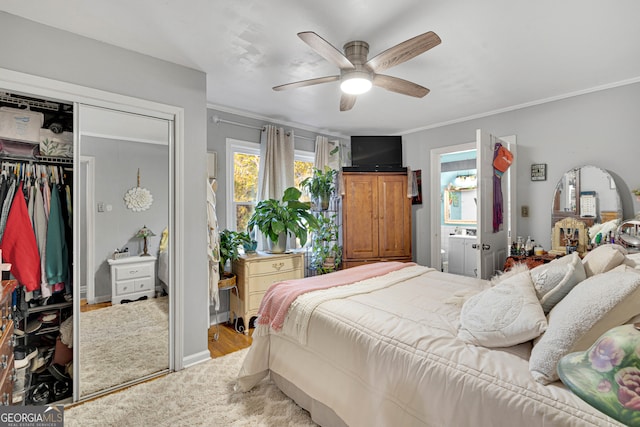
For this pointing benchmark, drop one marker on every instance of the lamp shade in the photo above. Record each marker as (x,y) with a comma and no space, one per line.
(144,232)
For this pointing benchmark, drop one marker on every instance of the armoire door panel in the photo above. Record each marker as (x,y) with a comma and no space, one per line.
(394,236)
(361,214)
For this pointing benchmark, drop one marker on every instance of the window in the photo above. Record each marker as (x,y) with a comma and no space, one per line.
(243,160)
(302,168)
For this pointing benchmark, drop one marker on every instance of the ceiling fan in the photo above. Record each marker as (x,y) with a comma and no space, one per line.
(357,74)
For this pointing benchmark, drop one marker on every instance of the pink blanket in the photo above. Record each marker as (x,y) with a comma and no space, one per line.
(279,296)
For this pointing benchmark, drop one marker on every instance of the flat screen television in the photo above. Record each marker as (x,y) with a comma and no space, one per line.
(379,152)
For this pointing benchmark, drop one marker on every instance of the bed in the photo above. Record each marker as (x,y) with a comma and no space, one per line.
(381,348)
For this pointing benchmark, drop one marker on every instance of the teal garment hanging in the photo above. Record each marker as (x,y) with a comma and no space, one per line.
(57,256)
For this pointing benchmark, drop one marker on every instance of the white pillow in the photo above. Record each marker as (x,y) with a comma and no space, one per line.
(603,258)
(593,307)
(633,260)
(554,280)
(504,315)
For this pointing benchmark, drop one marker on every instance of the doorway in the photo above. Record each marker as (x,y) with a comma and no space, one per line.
(447,163)
(489,247)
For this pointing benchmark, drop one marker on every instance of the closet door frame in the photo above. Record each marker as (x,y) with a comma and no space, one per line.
(48,88)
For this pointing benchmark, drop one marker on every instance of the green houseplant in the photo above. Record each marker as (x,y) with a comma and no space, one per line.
(326,254)
(320,185)
(278,218)
(229,243)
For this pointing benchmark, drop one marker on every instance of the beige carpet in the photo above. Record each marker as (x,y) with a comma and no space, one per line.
(201,395)
(122,343)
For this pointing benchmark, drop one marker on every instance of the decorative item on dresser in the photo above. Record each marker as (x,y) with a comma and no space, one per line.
(531,261)
(255,273)
(7,373)
(132,278)
(376,218)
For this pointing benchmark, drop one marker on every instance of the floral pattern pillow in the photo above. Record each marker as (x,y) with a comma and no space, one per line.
(607,375)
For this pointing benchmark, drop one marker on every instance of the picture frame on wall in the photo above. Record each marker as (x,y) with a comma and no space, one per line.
(539,172)
(417,179)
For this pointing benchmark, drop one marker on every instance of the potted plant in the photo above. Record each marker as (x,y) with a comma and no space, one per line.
(320,185)
(326,254)
(278,218)
(229,243)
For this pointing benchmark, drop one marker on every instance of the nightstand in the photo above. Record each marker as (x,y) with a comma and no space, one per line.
(255,273)
(132,278)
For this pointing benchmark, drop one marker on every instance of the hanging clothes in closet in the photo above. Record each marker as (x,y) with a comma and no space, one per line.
(35,227)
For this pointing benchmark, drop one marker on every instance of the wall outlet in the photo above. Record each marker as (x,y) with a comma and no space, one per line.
(524,211)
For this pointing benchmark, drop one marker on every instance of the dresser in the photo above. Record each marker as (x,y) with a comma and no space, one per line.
(7,374)
(255,273)
(132,278)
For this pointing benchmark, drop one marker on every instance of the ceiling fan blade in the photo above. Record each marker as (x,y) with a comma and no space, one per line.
(326,50)
(309,82)
(347,101)
(403,52)
(397,85)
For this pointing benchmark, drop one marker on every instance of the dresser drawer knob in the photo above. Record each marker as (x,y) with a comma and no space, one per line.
(277,265)
(133,271)
(12,341)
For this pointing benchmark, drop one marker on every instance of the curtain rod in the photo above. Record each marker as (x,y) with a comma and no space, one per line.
(218,120)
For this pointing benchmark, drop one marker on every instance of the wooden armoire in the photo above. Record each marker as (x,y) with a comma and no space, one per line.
(376,215)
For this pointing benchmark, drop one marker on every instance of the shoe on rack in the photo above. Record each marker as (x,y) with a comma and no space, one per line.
(61,390)
(33,325)
(59,372)
(23,354)
(41,395)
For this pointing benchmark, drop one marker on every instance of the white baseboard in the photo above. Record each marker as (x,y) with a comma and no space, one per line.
(194,359)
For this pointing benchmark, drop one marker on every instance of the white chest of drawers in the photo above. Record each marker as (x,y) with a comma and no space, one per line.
(132,278)
(255,273)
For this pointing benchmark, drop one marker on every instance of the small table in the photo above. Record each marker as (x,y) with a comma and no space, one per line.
(531,261)
(132,278)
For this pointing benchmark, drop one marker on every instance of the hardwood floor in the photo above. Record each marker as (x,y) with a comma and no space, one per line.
(228,341)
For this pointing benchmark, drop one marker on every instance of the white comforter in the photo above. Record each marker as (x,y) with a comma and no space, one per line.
(390,357)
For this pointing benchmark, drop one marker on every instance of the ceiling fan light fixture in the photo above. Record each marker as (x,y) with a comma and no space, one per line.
(356,82)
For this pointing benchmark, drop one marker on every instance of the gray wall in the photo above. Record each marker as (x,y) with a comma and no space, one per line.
(116,169)
(599,128)
(39,50)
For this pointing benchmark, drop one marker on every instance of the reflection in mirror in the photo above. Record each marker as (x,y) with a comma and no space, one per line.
(460,206)
(124,314)
(587,194)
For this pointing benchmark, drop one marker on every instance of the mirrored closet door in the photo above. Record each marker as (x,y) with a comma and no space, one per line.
(124,215)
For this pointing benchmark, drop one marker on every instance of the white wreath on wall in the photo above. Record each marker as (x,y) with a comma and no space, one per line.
(138,199)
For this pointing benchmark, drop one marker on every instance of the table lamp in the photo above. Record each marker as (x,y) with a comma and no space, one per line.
(145,233)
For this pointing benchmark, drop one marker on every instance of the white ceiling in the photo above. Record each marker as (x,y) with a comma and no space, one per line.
(495,54)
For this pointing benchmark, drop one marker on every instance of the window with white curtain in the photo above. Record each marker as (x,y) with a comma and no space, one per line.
(243,160)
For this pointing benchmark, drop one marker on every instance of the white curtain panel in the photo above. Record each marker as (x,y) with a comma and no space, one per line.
(321,158)
(276,166)
(323,155)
